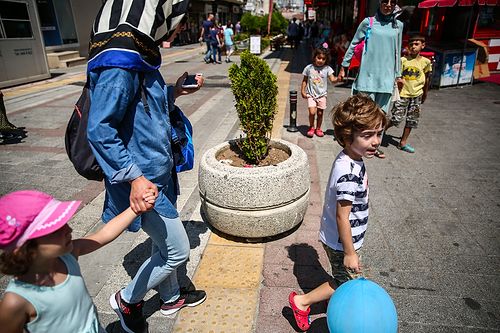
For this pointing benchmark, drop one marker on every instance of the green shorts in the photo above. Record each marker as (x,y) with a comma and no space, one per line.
(340,273)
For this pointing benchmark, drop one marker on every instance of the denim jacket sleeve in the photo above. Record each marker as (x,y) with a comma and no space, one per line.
(112,91)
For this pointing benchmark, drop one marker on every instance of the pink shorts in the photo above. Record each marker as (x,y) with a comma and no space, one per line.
(319,103)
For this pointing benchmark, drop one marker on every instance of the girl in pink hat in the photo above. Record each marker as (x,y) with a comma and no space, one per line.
(47,292)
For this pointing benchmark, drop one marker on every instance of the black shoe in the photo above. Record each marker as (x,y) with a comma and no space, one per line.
(187,298)
(130,314)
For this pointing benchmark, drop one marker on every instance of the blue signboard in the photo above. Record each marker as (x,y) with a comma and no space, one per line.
(455,68)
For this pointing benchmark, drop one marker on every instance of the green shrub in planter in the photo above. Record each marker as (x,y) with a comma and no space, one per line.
(255,90)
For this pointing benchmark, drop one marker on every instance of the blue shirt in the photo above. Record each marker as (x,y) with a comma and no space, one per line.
(228,32)
(207,24)
(128,141)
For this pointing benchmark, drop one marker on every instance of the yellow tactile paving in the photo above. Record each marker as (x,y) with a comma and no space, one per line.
(224,311)
(229,271)
(217,240)
(283,86)
(230,267)
(45,85)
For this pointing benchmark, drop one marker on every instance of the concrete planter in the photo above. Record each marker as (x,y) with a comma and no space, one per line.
(254,202)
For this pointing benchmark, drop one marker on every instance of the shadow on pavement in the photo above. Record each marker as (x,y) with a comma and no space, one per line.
(389,139)
(310,274)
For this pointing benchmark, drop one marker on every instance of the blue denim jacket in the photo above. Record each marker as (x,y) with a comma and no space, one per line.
(128,141)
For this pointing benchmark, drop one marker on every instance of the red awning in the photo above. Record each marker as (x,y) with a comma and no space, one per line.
(451,3)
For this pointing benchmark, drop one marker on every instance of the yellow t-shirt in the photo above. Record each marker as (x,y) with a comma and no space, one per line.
(414,71)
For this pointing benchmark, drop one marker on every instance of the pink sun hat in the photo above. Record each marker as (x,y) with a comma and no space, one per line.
(31,214)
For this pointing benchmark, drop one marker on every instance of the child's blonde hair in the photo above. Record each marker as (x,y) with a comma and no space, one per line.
(357,113)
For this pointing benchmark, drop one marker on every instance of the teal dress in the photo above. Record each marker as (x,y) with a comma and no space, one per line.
(65,307)
(381,61)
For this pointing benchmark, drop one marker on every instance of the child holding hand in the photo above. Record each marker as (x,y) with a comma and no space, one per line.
(314,87)
(47,292)
(358,124)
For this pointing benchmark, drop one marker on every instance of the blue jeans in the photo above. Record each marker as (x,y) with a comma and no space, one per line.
(208,54)
(170,250)
(214,51)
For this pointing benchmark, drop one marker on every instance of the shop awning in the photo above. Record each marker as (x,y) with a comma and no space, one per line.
(451,3)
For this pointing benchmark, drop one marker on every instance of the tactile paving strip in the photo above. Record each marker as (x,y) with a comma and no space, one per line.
(224,311)
(230,267)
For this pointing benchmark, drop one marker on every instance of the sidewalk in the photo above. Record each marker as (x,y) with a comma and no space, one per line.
(434,235)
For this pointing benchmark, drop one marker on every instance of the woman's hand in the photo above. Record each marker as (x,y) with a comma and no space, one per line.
(179,91)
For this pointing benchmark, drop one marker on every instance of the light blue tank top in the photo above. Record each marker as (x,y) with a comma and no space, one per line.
(66,307)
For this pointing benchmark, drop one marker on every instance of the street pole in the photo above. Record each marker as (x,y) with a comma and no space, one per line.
(269,17)
(293,112)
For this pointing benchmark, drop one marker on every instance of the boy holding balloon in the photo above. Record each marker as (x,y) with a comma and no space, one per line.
(358,124)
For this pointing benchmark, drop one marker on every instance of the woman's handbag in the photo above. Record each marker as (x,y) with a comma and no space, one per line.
(360,47)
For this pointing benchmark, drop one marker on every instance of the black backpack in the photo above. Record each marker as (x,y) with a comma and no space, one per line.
(77,145)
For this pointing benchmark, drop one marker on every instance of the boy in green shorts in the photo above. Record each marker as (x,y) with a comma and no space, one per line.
(416,70)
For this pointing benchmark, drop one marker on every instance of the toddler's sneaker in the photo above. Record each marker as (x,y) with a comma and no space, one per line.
(319,132)
(130,314)
(310,133)
(187,298)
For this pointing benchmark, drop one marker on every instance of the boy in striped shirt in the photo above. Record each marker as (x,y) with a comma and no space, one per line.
(358,123)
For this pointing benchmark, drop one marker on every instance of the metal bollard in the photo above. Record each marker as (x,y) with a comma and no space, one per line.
(293,112)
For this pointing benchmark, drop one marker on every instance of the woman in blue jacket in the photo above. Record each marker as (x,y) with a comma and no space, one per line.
(131,142)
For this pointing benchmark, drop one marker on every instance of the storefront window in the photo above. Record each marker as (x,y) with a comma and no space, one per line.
(14,20)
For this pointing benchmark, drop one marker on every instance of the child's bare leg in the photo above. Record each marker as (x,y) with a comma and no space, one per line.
(319,118)
(321,293)
(404,137)
(312,113)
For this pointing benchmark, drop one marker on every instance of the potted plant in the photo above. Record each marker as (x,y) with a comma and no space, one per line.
(253,186)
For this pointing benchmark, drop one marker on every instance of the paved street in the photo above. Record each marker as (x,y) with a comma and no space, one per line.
(434,236)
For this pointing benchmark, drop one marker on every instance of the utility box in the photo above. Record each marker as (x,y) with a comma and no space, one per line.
(22,51)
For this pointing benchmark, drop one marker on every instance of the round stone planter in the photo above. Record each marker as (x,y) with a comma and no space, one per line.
(254,202)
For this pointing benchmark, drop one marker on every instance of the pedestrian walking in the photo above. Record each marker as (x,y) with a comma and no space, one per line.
(215,44)
(380,68)
(229,41)
(314,87)
(131,140)
(205,36)
(47,292)
(416,71)
(237,27)
(358,123)
(293,33)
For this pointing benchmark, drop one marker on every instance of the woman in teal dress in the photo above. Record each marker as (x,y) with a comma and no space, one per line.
(380,65)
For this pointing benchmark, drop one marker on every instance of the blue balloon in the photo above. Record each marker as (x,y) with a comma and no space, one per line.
(361,306)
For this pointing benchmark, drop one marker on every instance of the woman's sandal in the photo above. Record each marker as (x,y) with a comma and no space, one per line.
(379,153)
(301,316)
